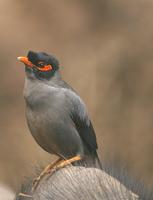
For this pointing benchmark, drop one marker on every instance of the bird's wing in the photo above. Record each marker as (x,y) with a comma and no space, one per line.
(83,124)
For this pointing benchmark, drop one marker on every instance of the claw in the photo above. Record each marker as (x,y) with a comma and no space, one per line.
(35,183)
(50,169)
(24,195)
(43,173)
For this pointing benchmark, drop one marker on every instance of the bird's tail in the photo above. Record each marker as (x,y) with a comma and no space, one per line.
(98,160)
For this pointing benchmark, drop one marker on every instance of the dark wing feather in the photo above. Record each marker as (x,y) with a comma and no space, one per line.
(81,120)
(86,131)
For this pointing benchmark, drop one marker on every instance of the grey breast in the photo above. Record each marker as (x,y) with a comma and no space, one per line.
(48,115)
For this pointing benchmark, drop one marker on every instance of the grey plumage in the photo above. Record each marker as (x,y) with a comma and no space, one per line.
(56,115)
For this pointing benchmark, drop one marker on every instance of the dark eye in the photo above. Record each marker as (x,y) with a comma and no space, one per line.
(41,64)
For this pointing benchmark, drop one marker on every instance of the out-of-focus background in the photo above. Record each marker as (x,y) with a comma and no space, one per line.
(105,48)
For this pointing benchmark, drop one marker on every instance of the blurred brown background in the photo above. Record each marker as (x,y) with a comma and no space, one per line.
(106,53)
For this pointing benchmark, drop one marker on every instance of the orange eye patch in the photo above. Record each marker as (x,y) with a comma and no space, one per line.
(45,68)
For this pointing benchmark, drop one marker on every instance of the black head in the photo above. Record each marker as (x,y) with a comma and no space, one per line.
(40,65)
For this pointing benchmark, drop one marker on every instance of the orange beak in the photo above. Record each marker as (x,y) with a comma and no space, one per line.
(25,61)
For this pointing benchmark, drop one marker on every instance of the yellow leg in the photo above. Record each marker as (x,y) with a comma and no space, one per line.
(24,195)
(44,172)
(50,169)
(64,163)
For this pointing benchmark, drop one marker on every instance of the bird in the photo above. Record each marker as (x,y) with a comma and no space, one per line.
(56,115)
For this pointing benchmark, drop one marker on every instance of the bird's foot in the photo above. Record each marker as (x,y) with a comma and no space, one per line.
(24,195)
(64,163)
(43,173)
(50,169)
